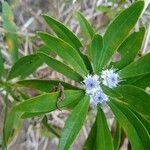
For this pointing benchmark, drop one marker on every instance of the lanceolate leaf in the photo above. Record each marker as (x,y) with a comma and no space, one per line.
(103,135)
(30,114)
(136,98)
(111,92)
(137,68)
(139,81)
(129,48)
(11,120)
(67,35)
(136,132)
(99,136)
(60,67)
(85,26)
(143,81)
(65,51)
(10,27)
(48,102)
(118,30)
(144,121)
(63,32)
(25,66)
(45,85)
(117,136)
(94,52)
(44,49)
(74,124)
(90,142)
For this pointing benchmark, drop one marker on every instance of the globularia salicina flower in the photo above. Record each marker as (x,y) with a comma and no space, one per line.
(110,78)
(93,89)
(91,83)
(98,97)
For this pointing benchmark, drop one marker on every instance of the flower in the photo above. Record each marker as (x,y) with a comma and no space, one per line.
(110,78)
(98,97)
(94,90)
(91,83)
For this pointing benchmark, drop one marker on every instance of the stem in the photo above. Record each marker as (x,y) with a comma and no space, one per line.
(50,128)
(4,146)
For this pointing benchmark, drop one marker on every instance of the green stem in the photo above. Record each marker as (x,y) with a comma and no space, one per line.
(50,128)
(4,145)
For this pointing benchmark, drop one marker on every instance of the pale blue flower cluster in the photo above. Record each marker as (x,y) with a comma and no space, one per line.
(110,78)
(92,86)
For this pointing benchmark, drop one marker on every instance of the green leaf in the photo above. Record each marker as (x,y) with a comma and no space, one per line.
(103,135)
(136,132)
(44,49)
(117,137)
(2,69)
(45,85)
(30,114)
(65,51)
(118,30)
(60,67)
(136,98)
(74,124)
(100,136)
(137,68)
(142,82)
(110,92)
(63,32)
(94,51)
(48,102)
(145,122)
(90,142)
(11,122)
(129,48)
(85,26)
(67,35)
(10,27)
(25,66)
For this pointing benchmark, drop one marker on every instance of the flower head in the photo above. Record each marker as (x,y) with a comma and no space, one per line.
(110,78)
(98,97)
(91,83)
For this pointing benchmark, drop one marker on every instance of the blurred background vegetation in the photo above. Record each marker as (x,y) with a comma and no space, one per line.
(18,38)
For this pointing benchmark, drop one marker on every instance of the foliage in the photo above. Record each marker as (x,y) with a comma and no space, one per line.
(128,101)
